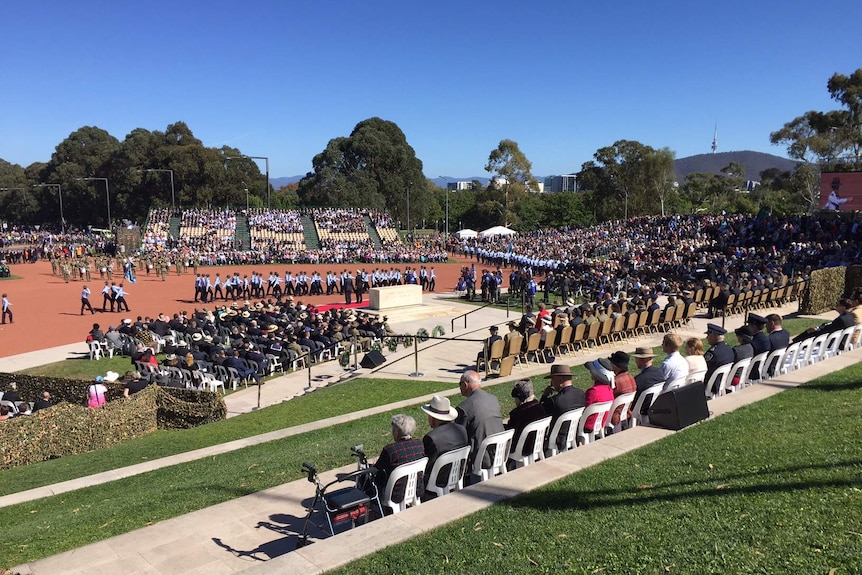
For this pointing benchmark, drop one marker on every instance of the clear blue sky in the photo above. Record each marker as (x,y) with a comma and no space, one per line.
(281,78)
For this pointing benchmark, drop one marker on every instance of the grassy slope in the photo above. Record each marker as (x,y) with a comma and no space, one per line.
(766,489)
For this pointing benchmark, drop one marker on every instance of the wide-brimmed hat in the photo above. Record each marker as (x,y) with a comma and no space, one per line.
(197,336)
(570,302)
(559,369)
(601,370)
(163,317)
(744,333)
(441,409)
(112,376)
(246,314)
(644,352)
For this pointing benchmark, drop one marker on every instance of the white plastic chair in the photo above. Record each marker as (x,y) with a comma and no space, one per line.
(741,367)
(815,350)
(719,377)
(570,417)
(676,383)
(13,409)
(583,436)
(410,471)
(212,382)
(457,462)
(501,443)
(538,429)
(832,346)
(95,350)
(107,349)
(788,360)
(693,377)
(274,364)
(803,356)
(758,365)
(625,401)
(650,393)
(775,357)
(847,338)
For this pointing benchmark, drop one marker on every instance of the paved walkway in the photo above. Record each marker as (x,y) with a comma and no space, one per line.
(257,532)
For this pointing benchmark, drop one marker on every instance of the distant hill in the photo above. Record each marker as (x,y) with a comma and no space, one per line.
(279,182)
(754,162)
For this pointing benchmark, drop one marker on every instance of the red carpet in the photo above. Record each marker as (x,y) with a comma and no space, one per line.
(342,305)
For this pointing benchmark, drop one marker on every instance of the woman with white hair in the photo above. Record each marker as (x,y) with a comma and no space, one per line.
(404,450)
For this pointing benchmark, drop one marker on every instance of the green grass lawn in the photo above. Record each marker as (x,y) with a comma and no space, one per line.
(774,487)
(723,495)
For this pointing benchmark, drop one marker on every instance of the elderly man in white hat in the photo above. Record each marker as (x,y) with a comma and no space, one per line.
(445,434)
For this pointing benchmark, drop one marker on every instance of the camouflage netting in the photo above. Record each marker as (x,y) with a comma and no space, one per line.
(69,427)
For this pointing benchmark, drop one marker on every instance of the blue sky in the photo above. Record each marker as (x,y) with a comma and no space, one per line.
(561,78)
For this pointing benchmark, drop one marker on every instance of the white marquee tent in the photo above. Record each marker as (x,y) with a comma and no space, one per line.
(466,233)
(497,231)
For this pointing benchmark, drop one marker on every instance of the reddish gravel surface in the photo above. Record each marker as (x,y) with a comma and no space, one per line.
(47,310)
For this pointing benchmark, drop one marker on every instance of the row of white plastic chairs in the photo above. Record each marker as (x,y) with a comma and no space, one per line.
(529,449)
(797,355)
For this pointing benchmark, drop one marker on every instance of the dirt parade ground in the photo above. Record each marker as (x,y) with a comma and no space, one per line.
(46,309)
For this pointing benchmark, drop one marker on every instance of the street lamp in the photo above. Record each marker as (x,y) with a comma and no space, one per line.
(60,194)
(264,158)
(173,195)
(107,194)
(447,206)
(408,206)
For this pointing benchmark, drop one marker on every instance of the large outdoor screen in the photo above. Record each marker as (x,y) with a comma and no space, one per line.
(841,191)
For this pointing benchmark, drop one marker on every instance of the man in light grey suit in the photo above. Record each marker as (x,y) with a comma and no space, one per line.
(479,413)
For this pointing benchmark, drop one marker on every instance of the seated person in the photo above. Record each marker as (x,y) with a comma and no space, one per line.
(44,402)
(5,412)
(844,320)
(527,410)
(404,450)
(694,355)
(445,435)
(96,334)
(486,350)
(601,371)
(133,383)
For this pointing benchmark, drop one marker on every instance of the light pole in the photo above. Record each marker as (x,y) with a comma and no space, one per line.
(246,200)
(447,206)
(107,195)
(408,206)
(265,159)
(173,194)
(60,194)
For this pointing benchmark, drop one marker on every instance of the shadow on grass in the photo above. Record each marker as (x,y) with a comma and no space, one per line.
(818,385)
(718,486)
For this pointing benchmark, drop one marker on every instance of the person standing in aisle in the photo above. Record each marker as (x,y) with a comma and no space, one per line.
(7,308)
(85,300)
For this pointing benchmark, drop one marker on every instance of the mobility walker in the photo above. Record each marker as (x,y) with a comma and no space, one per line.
(347,506)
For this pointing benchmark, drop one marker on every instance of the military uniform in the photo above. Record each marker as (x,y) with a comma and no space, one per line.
(718,355)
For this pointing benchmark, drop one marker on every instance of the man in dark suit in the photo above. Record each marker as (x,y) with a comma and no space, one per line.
(566,398)
(347,287)
(235,362)
(719,353)
(844,320)
(760,341)
(779,338)
(445,434)
(404,450)
(479,413)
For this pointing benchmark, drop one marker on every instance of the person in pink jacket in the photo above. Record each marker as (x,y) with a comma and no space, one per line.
(601,370)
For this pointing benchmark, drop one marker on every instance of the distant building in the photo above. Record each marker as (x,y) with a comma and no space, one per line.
(564,183)
(459,186)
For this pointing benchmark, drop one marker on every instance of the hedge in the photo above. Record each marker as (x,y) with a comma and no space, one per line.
(69,427)
(824,289)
